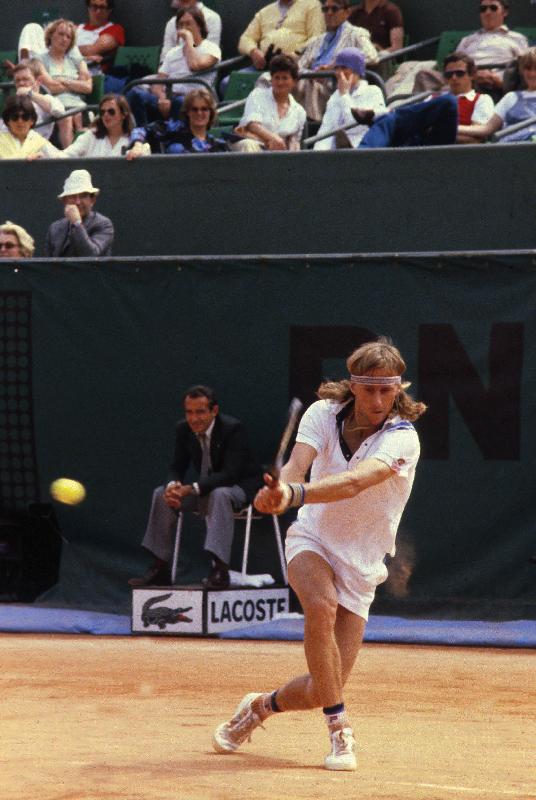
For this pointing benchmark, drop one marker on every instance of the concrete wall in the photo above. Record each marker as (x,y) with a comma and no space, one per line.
(419,199)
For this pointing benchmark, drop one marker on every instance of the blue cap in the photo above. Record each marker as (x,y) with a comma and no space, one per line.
(352,58)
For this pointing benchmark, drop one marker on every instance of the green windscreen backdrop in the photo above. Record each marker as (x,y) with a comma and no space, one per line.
(94,358)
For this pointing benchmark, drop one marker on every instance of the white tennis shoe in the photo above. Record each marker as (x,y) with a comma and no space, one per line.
(228,736)
(342,756)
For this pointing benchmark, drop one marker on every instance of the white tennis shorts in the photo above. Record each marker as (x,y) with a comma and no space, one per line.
(354,591)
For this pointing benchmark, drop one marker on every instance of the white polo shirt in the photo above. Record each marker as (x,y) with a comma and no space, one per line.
(362,529)
(175,64)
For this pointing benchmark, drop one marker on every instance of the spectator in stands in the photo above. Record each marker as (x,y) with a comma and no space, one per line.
(194,53)
(20,140)
(384,21)
(273,119)
(286,27)
(212,19)
(321,51)
(189,135)
(434,121)
(514,107)
(474,108)
(15,242)
(353,92)
(213,447)
(98,40)
(493,44)
(82,231)
(65,74)
(110,134)
(27,78)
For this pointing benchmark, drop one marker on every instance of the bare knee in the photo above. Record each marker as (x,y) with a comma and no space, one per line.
(320,611)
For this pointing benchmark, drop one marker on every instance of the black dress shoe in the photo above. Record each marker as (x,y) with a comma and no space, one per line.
(218,579)
(157,575)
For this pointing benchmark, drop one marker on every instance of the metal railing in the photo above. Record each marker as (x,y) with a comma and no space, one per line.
(410,48)
(513,129)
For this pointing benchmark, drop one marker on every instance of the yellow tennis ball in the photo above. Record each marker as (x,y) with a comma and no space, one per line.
(68,491)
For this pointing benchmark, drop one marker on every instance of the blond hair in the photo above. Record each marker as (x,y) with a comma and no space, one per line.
(53,26)
(381,354)
(26,243)
(527,59)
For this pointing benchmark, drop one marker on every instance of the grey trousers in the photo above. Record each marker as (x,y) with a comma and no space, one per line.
(217,509)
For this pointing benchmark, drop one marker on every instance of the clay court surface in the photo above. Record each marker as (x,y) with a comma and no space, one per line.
(100,718)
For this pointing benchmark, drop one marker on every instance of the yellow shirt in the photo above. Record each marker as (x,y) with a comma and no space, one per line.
(303,21)
(10,147)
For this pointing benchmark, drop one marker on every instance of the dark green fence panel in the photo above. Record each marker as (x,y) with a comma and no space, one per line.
(421,199)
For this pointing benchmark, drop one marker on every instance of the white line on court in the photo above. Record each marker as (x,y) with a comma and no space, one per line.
(467,789)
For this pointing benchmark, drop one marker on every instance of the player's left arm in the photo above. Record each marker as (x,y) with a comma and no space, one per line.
(347,484)
(279,495)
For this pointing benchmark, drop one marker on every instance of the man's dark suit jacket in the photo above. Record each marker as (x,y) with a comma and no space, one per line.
(230,455)
(93,238)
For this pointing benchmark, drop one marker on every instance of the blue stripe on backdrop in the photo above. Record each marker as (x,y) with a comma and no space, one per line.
(392,630)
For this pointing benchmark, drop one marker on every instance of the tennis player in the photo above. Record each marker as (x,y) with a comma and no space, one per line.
(362,449)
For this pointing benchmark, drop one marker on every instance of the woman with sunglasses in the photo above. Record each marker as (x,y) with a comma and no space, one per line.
(15,242)
(189,135)
(65,74)
(20,140)
(110,135)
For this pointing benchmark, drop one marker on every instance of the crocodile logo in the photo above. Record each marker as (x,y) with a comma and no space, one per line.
(162,615)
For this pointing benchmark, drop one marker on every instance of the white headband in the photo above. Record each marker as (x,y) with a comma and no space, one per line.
(381,380)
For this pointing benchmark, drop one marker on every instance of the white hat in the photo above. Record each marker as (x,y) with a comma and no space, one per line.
(79,181)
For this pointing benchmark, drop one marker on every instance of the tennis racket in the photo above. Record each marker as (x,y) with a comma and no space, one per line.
(293,414)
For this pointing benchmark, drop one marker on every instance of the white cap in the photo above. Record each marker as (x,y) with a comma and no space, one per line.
(79,181)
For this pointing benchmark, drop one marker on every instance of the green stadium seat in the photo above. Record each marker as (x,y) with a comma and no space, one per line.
(6,55)
(530,33)
(448,42)
(239,86)
(137,61)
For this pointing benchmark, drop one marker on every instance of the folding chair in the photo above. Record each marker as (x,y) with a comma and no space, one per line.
(246,515)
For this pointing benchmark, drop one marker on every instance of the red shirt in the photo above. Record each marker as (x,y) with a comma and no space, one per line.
(466,108)
(89,34)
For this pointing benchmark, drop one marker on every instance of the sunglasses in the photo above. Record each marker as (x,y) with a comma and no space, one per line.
(331,9)
(110,111)
(200,110)
(454,73)
(490,7)
(16,115)
(7,245)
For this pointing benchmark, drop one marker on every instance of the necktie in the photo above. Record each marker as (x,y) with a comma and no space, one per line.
(205,455)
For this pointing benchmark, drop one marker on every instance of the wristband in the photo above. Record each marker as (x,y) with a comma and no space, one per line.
(297,495)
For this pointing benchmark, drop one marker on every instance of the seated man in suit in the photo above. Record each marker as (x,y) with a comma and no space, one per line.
(217,448)
(83,231)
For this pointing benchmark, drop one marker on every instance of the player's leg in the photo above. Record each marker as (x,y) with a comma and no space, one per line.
(332,638)
(311,577)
